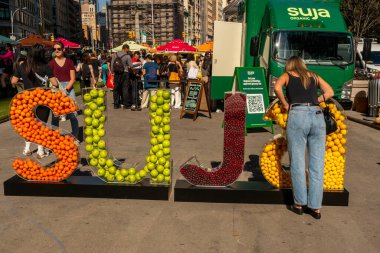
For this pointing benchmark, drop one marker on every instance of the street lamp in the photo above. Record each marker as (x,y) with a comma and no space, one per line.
(12,16)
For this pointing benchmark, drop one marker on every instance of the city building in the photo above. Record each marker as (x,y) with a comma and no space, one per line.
(192,21)
(29,17)
(89,25)
(212,11)
(231,11)
(101,19)
(132,20)
(65,16)
(44,17)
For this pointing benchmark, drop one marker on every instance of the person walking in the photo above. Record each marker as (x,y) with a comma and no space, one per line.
(35,72)
(96,67)
(64,70)
(86,72)
(305,128)
(162,70)
(8,59)
(120,63)
(150,72)
(175,70)
(192,68)
(135,78)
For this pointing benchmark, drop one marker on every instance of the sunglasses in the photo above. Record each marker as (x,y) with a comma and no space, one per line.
(57,49)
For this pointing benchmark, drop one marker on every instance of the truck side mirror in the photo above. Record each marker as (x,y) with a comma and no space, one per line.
(254,47)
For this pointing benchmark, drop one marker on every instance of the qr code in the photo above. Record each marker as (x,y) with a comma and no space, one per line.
(255,103)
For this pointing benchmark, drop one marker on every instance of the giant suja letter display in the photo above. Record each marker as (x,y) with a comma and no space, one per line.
(24,121)
(109,169)
(233,151)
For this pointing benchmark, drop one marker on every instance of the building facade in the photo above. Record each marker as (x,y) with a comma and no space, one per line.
(65,17)
(29,17)
(192,21)
(44,17)
(89,25)
(212,11)
(125,16)
(101,19)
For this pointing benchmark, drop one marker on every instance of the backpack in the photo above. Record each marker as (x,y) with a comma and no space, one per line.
(86,73)
(118,65)
(151,73)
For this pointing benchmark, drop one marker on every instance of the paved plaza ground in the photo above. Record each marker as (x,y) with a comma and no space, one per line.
(43,224)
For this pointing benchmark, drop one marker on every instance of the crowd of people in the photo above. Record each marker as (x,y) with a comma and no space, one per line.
(136,76)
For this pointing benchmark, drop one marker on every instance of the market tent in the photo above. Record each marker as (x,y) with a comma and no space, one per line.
(133,46)
(176,45)
(68,44)
(5,40)
(205,47)
(33,39)
(150,49)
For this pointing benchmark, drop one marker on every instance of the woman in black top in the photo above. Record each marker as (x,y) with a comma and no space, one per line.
(175,70)
(305,127)
(35,72)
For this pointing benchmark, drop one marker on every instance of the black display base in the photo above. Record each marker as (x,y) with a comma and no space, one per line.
(249,192)
(86,187)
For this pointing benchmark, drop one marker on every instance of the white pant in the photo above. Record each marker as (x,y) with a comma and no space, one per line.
(175,99)
(145,97)
(40,148)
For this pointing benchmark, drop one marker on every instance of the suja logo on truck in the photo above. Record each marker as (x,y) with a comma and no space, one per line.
(309,13)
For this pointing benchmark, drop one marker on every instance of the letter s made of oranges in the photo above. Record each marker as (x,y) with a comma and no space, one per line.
(270,158)
(24,121)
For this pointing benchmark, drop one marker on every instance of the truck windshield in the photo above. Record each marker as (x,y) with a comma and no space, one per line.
(315,47)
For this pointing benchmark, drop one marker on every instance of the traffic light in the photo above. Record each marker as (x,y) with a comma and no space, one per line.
(183,34)
(130,35)
(133,34)
(52,37)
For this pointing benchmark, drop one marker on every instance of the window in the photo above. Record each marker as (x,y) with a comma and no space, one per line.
(315,47)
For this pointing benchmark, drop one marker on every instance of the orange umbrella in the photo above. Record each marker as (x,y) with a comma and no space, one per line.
(33,39)
(205,47)
(150,49)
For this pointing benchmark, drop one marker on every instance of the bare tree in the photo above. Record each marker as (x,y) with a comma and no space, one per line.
(362,16)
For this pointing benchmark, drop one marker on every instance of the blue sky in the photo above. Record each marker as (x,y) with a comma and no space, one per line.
(102,2)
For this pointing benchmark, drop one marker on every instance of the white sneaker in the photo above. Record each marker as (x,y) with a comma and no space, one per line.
(27,152)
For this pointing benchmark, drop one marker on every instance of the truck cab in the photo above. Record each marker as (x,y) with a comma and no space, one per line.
(313,30)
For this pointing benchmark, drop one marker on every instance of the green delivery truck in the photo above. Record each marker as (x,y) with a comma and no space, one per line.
(274,30)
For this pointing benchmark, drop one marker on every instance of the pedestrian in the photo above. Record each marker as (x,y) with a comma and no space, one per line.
(7,59)
(120,64)
(64,70)
(175,71)
(86,72)
(305,128)
(150,72)
(96,67)
(163,70)
(192,68)
(106,69)
(35,72)
(135,78)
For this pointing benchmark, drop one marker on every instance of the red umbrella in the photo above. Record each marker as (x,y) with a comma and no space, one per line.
(177,46)
(68,43)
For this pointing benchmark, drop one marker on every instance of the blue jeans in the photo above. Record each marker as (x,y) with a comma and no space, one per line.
(306,127)
(71,116)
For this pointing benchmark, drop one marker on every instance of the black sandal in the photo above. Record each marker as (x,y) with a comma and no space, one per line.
(296,210)
(313,213)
